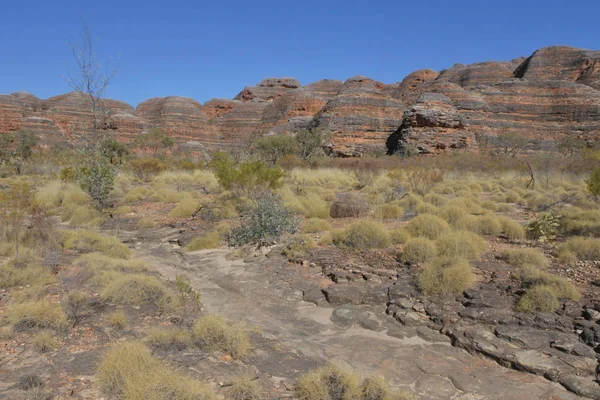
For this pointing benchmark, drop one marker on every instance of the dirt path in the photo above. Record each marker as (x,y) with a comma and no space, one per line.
(296,335)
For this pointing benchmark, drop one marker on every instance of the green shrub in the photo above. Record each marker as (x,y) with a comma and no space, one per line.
(461,244)
(539,298)
(489,225)
(543,228)
(145,223)
(445,276)
(273,147)
(217,334)
(211,240)
(98,181)
(418,250)
(246,179)
(364,235)
(525,256)
(429,226)
(315,225)
(265,223)
(426,208)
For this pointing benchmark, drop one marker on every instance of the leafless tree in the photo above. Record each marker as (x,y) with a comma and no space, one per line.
(92,80)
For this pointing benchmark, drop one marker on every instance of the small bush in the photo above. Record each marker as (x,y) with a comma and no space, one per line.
(145,223)
(593,183)
(315,225)
(217,334)
(512,229)
(583,248)
(426,208)
(266,223)
(418,250)
(461,244)
(30,381)
(44,341)
(137,290)
(445,276)
(243,388)
(435,199)
(85,216)
(525,256)
(75,304)
(11,276)
(399,236)
(117,319)
(539,298)
(489,225)
(88,241)
(426,225)
(364,235)
(452,214)
(129,371)
(146,168)
(246,179)
(389,211)
(169,339)
(376,388)
(329,382)
(97,180)
(35,314)
(185,208)
(349,205)
(211,240)
(423,179)
(298,246)
(544,228)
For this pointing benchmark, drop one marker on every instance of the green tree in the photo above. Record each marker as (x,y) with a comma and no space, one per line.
(153,141)
(311,143)
(113,150)
(271,148)
(17,148)
(98,181)
(249,179)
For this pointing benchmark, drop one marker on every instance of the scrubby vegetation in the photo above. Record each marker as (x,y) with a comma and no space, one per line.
(447,227)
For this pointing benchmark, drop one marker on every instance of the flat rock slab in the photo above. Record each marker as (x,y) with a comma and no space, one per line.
(262,294)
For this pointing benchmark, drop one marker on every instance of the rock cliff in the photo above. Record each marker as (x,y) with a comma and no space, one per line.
(552,94)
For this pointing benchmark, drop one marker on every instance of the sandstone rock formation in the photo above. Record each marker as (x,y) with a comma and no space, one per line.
(550,95)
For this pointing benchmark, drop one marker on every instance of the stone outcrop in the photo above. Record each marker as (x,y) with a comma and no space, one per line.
(360,117)
(548,96)
(431,125)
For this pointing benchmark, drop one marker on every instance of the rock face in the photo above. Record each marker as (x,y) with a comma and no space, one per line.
(552,94)
(360,117)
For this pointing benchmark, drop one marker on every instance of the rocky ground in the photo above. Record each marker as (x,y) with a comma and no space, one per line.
(333,308)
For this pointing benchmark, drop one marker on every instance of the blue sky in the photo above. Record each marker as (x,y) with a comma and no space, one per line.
(213,49)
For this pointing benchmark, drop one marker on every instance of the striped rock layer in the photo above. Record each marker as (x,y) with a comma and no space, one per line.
(548,96)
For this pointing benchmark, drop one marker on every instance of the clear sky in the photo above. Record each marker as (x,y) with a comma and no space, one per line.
(211,49)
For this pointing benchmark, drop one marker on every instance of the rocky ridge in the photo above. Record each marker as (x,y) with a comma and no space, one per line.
(548,96)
